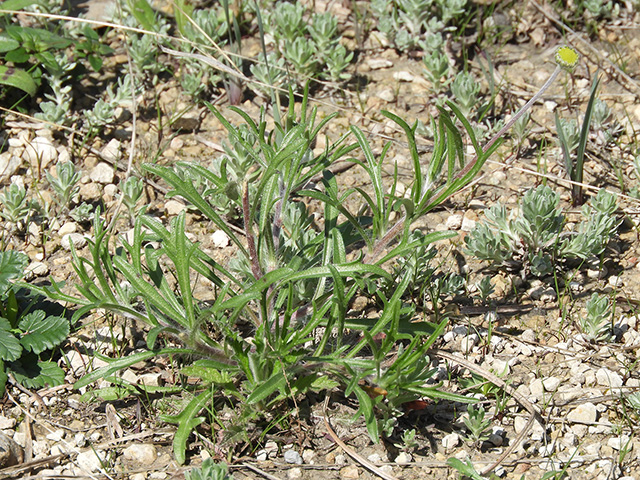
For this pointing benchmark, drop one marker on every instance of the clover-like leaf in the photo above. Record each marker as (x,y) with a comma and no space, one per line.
(10,348)
(12,266)
(40,332)
(36,374)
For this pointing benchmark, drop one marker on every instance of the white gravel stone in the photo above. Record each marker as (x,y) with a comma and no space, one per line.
(585,413)
(350,472)
(403,458)
(220,239)
(292,456)
(387,94)
(7,422)
(404,76)
(454,222)
(102,173)
(143,454)
(468,224)
(78,240)
(374,458)
(528,335)
(261,455)
(68,227)
(9,165)
(56,435)
(91,460)
(36,269)
(174,207)
(379,63)
(111,150)
(615,281)
(308,456)
(150,379)
(467,343)
(80,439)
(607,378)
(451,441)
(294,473)
(619,443)
(536,387)
(40,151)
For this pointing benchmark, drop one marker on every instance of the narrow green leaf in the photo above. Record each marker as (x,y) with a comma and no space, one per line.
(18,4)
(276,382)
(187,421)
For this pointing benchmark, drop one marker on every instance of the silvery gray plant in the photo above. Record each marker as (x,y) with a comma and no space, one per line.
(533,238)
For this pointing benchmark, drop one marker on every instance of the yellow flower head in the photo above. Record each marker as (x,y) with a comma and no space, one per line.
(567,57)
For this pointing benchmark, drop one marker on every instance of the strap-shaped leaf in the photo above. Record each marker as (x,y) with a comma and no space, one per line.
(187,421)
(40,332)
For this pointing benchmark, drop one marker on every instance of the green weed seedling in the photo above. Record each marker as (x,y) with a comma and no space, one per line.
(465,89)
(26,335)
(16,208)
(465,469)
(533,237)
(260,338)
(597,325)
(209,470)
(296,282)
(306,48)
(477,425)
(64,183)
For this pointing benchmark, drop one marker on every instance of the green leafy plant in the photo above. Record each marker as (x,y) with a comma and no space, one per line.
(209,471)
(16,207)
(64,183)
(477,425)
(597,323)
(466,468)
(259,338)
(25,334)
(36,53)
(533,238)
(465,89)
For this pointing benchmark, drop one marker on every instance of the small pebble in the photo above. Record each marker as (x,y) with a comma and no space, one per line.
(403,458)
(78,240)
(379,63)
(220,239)
(294,473)
(450,441)
(102,173)
(585,413)
(349,472)
(292,456)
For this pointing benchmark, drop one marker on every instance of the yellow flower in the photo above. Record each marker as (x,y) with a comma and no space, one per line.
(567,57)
